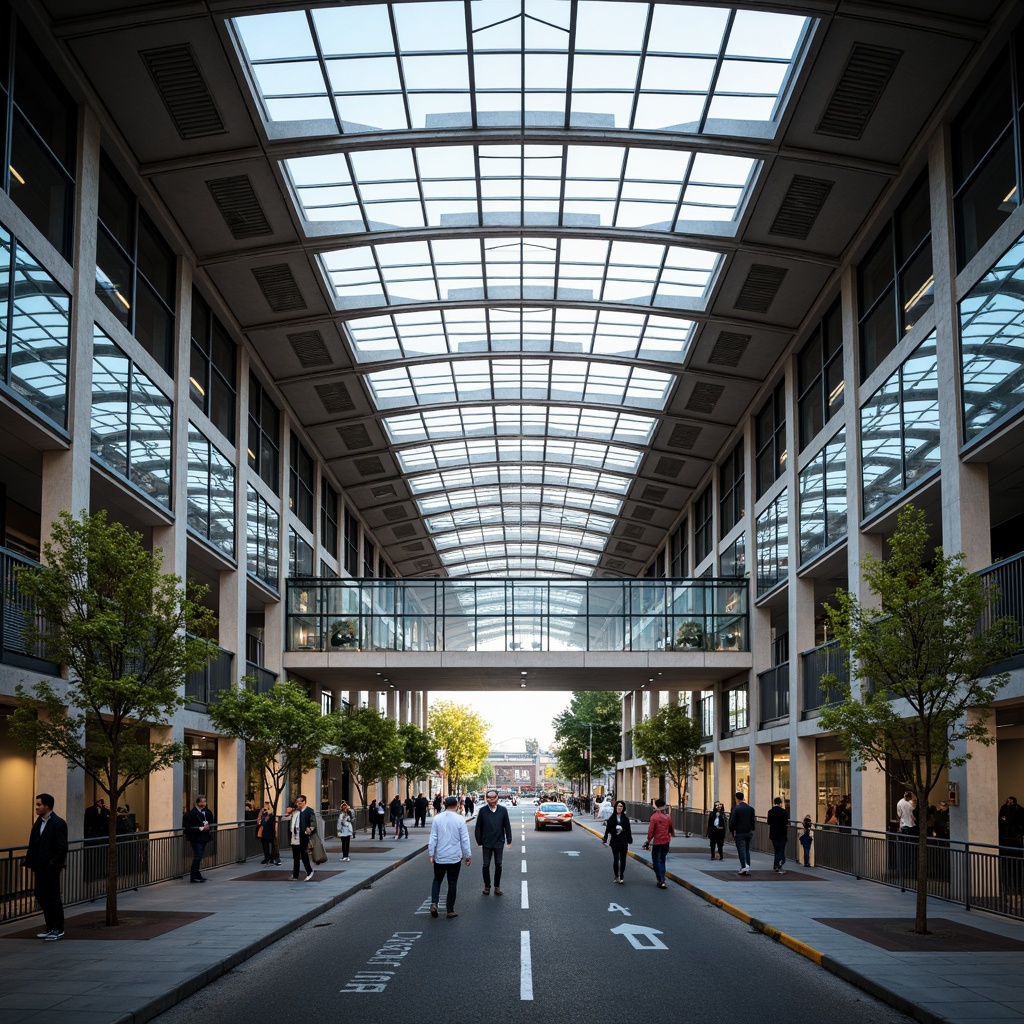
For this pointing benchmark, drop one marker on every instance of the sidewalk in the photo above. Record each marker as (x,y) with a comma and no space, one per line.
(176,938)
(970,969)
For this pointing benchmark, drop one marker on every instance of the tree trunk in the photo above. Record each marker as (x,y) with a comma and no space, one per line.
(921,914)
(111,914)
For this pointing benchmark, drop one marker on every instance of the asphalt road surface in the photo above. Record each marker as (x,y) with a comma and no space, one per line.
(564,943)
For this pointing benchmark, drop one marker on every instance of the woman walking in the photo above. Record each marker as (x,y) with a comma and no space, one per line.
(619,836)
(345,829)
(717,822)
(266,826)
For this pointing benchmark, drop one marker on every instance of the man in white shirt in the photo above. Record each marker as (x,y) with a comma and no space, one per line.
(448,846)
(905,812)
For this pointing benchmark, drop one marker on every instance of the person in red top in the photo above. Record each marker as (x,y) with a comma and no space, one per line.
(659,835)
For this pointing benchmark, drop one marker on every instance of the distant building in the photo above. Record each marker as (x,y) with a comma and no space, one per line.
(519,770)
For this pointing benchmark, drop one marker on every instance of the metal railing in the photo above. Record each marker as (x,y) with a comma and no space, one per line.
(827,659)
(773,686)
(1008,576)
(16,612)
(264,678)
(203,685)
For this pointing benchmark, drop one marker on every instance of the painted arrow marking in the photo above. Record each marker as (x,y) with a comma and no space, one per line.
(639,936)
(613,908)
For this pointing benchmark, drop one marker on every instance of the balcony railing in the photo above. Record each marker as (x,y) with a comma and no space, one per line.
(1008,576)
(16,612)
(203,686)
(264,678)
(326,614)
(828,659)
(774,689)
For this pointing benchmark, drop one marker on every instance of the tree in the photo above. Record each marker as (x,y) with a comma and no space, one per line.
(419,756)
(670,742)
(593,721)
(482,779)
(920,654)
(533,747)
(128,635)
(369,744)
(284,732)
(461,736)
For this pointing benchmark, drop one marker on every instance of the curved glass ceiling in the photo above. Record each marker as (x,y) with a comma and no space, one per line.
(520,275)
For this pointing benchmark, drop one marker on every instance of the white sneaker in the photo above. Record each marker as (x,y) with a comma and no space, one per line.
(44,935)
(54,936)
(781,872)
(745,871)
(309,876)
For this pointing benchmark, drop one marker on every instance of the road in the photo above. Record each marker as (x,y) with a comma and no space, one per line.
(563,942)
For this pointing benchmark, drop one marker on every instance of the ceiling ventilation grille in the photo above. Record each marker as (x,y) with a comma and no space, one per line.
(759,289)
(335,397)
(310,348)
(355,437)
(705,397)
(184,91)
(616,563)
(657,494)
(684,436)
(238,205)
(369,467)
(411,549)
(669,467)
(407,530)
(425,563)
(858,91)
(279,288)
(729,349)
(800,206)
(643,512)
(633,532)
(622,548)
(393,513)
(384,491)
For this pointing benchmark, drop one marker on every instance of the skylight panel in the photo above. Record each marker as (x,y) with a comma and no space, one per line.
(572,477)
(508,449)
(564,500)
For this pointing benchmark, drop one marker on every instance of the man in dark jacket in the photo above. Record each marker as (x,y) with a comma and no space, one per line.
(47,851)
(420,810)
(741,826)
(493,832)
(198,831)
(778,833)
(301,826)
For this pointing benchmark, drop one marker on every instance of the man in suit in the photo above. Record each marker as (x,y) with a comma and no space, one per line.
(493,832)
(300,828)
(420,809)
(198,831)
(47,851)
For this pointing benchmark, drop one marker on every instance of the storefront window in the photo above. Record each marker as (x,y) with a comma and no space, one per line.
(833,780)
(200,772)
(780,774)
(740,776)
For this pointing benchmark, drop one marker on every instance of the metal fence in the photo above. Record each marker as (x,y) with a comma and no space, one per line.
(975,875)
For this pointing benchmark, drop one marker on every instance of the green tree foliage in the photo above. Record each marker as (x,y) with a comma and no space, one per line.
(419,753)
(482,779)
(593,720)
(284,732)
(128,635)
(461,736)
(922,662)
(670,742)
(369,744)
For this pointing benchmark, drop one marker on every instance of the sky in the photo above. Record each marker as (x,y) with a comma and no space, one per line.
(513,717)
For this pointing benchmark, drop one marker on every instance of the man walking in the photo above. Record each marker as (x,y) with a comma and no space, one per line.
(778,833)
(199,831)
(47,851)
(659,835)
(741,826)
(448,845)
(493,829)
(300,828)
(420,810)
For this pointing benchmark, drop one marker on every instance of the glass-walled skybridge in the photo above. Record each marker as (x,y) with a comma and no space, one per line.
(336,615)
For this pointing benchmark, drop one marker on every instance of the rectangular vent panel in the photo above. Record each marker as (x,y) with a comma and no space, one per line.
(760,288)
(424,564)
(616,563)
(355,437)
(705,397)
(643,512)
(236,199)
(184,91)
(800,206)
(393,513)
(310,348)
(335,397)
(385,491)
(369,467)
(413,549)
(622,548)
(684,436)
(633,532)
(407,530)
(658,494)
(729,349)
(279,288)
(858,91)
(669,467)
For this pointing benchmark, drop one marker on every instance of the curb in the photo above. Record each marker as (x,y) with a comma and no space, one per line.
(840,970)
(164,1002)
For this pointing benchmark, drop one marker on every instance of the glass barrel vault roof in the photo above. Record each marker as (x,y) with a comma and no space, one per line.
(520,309)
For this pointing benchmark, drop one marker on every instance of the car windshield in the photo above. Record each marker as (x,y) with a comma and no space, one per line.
(556,808)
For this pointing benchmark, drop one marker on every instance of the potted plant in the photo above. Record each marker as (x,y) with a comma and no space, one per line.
(343,633)
(690,634)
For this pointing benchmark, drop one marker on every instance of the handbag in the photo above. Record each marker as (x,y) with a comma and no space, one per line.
(259,832)
(316,849)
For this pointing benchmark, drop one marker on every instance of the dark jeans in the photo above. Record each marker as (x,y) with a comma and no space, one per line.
(659,854)
(717,838)
(198,849)
(48,897)
(805,842)
(377,825)
(268,848)
(743,848)
(497,852)
(620,854)
(420,821)
(779,846)
(346,842)
(452,872)
(303,852)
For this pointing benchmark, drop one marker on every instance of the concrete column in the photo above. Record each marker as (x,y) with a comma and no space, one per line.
(231,781)
(67,787)
(166,788)
(975,817)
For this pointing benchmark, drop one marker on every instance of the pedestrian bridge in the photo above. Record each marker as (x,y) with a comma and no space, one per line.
(502,633)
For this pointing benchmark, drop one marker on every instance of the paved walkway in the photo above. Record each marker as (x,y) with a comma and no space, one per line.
(971,969)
